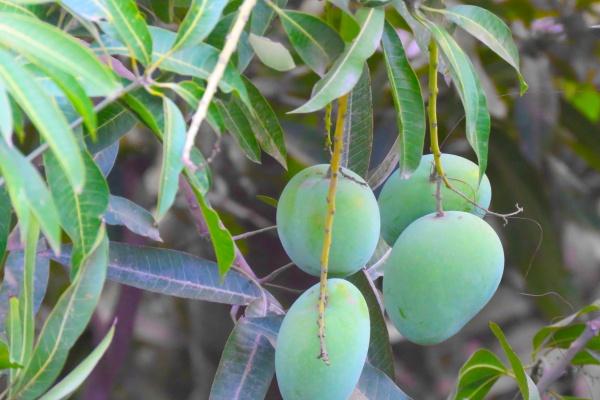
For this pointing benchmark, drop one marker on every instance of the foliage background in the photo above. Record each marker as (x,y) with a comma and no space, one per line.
(545,156)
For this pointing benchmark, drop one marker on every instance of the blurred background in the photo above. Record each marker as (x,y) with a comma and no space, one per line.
(544,155)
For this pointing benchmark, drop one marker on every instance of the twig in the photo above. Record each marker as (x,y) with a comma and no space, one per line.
(98,107)
(338,139)
(276,273)
(284,288)
(373,269)
(252,233)
(439,206)
(215,77)
(592,329)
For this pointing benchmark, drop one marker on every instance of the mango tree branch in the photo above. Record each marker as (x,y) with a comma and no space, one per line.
(334,169)
(215,77)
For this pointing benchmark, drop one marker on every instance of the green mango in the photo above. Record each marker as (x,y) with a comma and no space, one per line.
(402,201)
(441,272)
(301,375)
(301,213)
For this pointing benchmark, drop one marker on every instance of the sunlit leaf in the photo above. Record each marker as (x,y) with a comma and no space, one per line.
(10,6)
(45,115)
(148,109)
(42,42)
(6,118)
(15,334)
(131,28)
(199,21)
(5,361)
(122,211)
(27,293)
(408,102)
(93,10)
(478,375)
(273,54)
(421,34)
(346,71)
(191,92)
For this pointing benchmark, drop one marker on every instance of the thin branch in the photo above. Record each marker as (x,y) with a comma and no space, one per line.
(592,329)
(246,235)
(276,273)
(215,77)
(373,270)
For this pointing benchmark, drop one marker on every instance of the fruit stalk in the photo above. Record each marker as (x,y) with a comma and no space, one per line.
(336,156)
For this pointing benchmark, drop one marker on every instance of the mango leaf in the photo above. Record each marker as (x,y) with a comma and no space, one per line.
(122,211)
(201,18)
(247,363)
(13,281)
(239,126)
(106,158)
(80,213)
(380,353)
(5,362)
(173,273)
(478,375)
(470,91)
(15,335)
(131,28)
(6,118)
(346,71)
(149,109)
(26,295)
(172,164)
(317,43)
(10,6)
(408,101)
(45,115)
(526,386)
(490,30)
(5,219)
(79,374)
(376,385)
(43,43)
(114,121)
(65,323)
(262,15)
(386,167)
(221,237)
(200,178)
(191,92)
(421,34)
(564,337)
(265,124)
(28,192)
(273,54)
(358,128)
(93,10)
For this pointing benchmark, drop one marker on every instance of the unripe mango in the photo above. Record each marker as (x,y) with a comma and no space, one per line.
(301,213)
(441,272)
(301,375)
(402,201)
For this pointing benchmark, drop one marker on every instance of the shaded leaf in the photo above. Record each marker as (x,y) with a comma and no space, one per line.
(201,18)
(239,127)
(317,43)
(201,177)
(149,109)
(358,126)
(421,34)
(408,102)
(173,273)
(346,71)
(45,115)
(385,168)
(5,219)
(105,158)
(131,28)
(247,363)
(478,375)
(114,121)
(172,164)
(28,192)
(191,92)
(122,211)
(43,43)
(79,374)
(376,385)
(80,213)
(273,54)
(64,324)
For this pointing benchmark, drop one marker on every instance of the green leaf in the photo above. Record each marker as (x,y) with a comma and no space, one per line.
(6,117)
(65,323)
(114,121)
(10,6)
(79,374)
(265,124)
(122,211)
(45,115)
(478,375)
(172,164)
(200,178)
(470,91)
(380,353)
(5,362)
(317,43)
(490,30)
(201,18)
(106,158)
(147,108)
(131,28)
(238,125)
(93,10)
(28,192)
(526,386)
(15,335)
(421,34)
(221,238)
(375,384)
(408,101)
(80,213)
(273,54)
(191,92)
(358,128)
(5,219)
(346,71)
(43,43)
(27,293)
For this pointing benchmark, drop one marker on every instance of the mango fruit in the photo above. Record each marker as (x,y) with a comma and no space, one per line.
(301,375)
(301,213)
(441,272)
(402,201)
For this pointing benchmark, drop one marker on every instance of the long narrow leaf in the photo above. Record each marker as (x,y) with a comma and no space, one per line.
(5,218)
(27,294)
(239,126)
(131,28)
(122,211)
(376,385)
(15,336)
(201,18)
(6,118)
(191,92)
